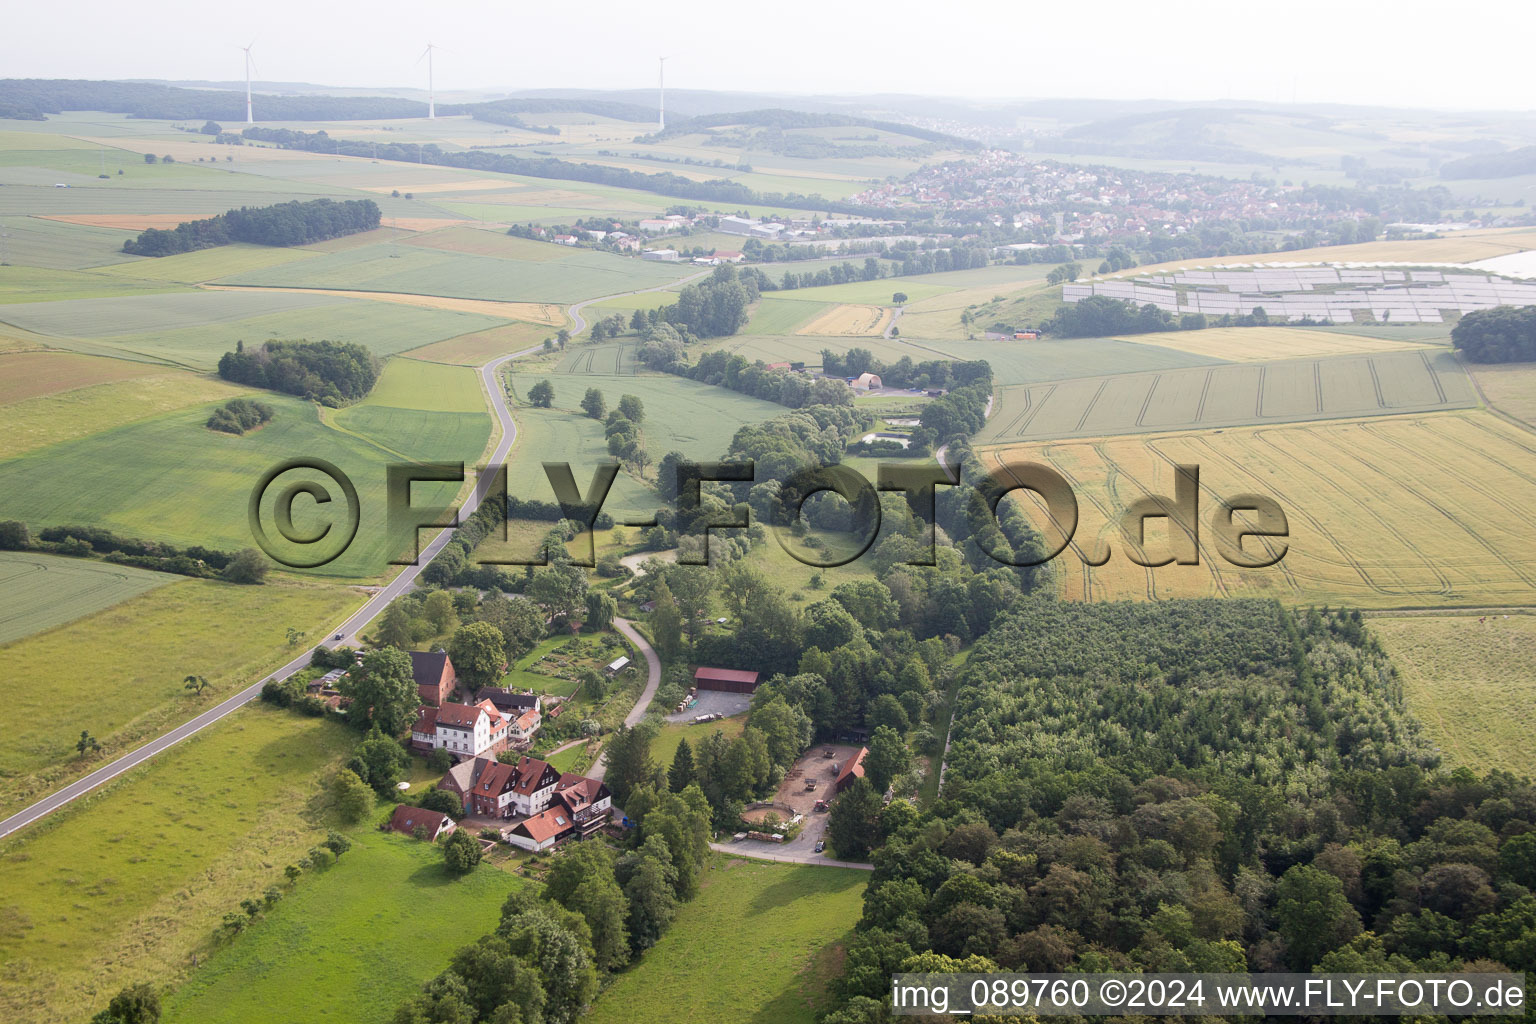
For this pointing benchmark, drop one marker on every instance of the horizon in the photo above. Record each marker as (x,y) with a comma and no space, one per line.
(1320,53)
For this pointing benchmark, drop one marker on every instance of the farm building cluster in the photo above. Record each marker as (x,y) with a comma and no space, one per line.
(542,805)
(1338,294)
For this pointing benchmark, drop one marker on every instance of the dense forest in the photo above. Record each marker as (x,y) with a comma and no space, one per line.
(1511,164)
(1504,334)
(329,372)
(282,224)
(1194,785)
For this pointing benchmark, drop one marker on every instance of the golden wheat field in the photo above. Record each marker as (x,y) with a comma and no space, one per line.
(1251,344)
(1508,387)
(849,321)
(1402,511)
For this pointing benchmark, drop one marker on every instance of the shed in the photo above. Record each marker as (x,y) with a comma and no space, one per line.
(729,680)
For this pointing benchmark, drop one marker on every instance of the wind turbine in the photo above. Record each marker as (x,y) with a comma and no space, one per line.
(431,89)
(661,95)
(249,63)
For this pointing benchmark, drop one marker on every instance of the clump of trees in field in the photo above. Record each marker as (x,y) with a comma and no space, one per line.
(1504,334)
(329,372)
(292,223)
(1194,785)
(238,415)
(714,307)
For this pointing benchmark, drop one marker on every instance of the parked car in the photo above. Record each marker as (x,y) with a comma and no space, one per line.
(821,844)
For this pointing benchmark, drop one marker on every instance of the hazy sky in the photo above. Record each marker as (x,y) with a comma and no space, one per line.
(1405,53)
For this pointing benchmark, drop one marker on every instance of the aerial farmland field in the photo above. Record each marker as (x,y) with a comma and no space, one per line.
(136,639)
(1231,394)
(774,315)
(135,479)
(480,347)
(1469,677)
(195,328)
(397,267)
(759,942)
(1249,344)
(1400,510)
(129,883)
(38,592)
(43,420)
(849,320)
(357,958)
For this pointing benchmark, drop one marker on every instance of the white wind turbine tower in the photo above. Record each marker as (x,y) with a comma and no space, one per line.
(431,88)
(249,63)
(661,95)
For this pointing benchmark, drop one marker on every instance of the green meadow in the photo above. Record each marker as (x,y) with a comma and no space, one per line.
(413,269)
(127,884)
(194,329)
(172,479)
(761,942)
(38,592)
(132,655)
(356,941)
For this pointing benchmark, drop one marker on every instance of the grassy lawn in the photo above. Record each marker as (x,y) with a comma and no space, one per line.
(127,884)
(348,945)
(664,746)
(127,663)
(38,592)
(1470,683)
(760,943)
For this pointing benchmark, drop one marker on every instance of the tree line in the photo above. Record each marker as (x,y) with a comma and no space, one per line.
(1189,785)
(244,566)
(282,224)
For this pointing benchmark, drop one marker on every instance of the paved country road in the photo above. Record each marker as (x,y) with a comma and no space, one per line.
(401,584)
(652,680)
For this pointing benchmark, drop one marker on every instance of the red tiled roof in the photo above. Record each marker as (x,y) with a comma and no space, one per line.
(578,791)
(463,716)
(407,819)
(426,721)
(494,779)
(530,773)
(547,825)
(528,719)
(853,769)
(725,675)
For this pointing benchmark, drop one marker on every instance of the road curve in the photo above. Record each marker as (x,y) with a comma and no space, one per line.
(643,703)
(349,629)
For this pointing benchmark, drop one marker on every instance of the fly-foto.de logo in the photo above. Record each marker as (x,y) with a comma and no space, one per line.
(324,499)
